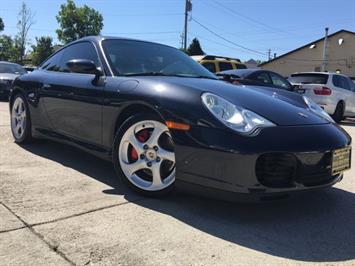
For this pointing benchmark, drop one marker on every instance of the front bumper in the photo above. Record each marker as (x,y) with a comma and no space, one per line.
(4,90)
(216,160)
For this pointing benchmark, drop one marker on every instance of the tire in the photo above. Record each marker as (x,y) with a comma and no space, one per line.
(143,155)
(338,115)
(21,126)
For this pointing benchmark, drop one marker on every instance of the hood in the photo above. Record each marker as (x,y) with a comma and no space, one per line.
(282,107)
(8,76)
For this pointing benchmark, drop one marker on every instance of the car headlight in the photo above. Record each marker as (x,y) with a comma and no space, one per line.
(315,108)
(235,117)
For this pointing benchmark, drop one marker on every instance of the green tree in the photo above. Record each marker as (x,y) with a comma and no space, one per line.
(1,25)
(195,48)
(9,48)
(25,22)
(6,44)
(77,22)
(42,50)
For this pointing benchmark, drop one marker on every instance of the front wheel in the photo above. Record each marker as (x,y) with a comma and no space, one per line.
(20,120)
(144,155)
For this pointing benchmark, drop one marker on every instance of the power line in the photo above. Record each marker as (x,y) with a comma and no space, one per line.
(231,42)
(233,12)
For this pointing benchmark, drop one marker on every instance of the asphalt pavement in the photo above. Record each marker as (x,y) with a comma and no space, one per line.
(62,206)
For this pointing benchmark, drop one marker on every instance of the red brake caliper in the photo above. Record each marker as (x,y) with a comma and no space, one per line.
(142,136)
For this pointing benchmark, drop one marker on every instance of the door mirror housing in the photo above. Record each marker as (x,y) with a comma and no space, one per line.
(83,66)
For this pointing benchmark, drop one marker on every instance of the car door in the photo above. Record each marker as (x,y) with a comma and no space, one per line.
(72,100)
(344,92)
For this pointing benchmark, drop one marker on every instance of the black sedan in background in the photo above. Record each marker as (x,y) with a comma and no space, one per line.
(256,77)
(166,121)
(8,73)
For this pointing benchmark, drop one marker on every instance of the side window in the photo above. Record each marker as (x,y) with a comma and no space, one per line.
(241,66)
(52,64)
(336,81)
(210,66)
(341,82)
(82,50)
(262,77)
(345,83)
(225,66)
(279,81)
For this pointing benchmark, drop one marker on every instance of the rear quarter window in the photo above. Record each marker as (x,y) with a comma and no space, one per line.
(210,66)
(225,66)
(309,78)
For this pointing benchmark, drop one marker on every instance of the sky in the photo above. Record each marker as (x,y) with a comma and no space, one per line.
(242,29)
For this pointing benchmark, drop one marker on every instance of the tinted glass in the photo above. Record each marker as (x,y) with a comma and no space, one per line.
(83,50)
(225,66)
(262,77)
(52,64)
(341,82)
(280,81)
(210,66)
(128,57)
(311,78)
(11,68)
(241,66)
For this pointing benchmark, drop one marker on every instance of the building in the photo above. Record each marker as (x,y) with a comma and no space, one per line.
(340,54)
(251,63)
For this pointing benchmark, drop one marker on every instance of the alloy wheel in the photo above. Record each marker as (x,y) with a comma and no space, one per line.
(146,155)
(18,118)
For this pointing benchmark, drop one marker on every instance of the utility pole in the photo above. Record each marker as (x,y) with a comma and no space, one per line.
(188,8)
(325,51)
(269,54)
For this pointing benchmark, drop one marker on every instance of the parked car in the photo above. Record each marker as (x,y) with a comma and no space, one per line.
(257,77)
(8,72)
(333,92)
(218,63)
(165,121)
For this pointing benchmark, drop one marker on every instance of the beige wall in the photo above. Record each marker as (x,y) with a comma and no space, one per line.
(340,57)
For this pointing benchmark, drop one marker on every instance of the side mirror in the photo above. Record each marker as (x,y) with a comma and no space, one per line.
(83,66)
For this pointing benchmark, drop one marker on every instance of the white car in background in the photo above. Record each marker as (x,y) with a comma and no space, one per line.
(335,93)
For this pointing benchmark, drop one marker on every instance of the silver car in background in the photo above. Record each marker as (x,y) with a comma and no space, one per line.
(335,93)
(8,73)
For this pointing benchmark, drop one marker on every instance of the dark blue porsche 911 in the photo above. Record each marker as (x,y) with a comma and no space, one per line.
(165,121)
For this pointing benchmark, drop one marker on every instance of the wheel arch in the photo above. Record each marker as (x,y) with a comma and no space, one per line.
(131,110)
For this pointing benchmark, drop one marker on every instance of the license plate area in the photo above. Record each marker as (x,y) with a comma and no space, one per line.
(341,160)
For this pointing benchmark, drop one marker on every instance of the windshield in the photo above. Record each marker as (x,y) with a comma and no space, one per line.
(309,78)
(129,58)
(11,68)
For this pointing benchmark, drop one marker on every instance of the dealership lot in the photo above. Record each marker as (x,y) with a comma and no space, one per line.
(59,206)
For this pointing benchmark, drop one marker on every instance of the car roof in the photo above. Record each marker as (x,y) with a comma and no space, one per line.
(240,72)
(9,63)
(315,73)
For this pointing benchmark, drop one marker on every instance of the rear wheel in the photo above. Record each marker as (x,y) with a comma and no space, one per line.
(338,115)
(20,120)
(144,155)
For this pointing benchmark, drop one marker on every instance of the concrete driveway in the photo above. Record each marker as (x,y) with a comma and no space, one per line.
(59,206)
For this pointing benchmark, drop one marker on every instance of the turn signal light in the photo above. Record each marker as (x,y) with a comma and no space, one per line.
(322,91)
(176,125)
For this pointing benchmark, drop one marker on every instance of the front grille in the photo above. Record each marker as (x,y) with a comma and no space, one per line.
(279,170)
(276,169)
